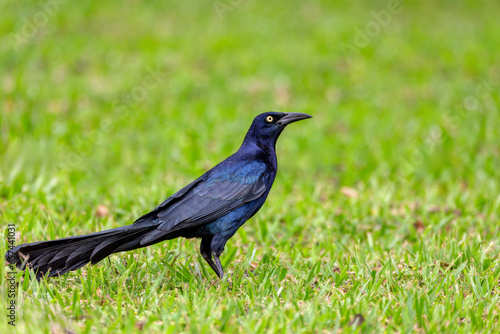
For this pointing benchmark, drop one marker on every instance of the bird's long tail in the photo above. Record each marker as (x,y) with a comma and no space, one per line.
(57,257)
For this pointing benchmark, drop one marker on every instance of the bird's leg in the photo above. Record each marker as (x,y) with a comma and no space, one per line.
(218,270)
(206,252)
(217,246)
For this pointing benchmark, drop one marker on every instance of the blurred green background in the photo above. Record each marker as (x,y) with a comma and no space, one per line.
(120,103)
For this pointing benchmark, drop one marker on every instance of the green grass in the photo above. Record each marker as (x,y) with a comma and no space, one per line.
(386,204)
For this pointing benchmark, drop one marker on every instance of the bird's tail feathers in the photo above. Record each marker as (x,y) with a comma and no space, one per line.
(57,257)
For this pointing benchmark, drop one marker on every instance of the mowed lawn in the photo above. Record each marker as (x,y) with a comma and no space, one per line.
(384,216)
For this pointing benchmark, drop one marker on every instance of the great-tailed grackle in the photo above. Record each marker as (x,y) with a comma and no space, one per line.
(211,207)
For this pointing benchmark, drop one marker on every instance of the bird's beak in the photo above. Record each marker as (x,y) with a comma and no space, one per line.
(291,117)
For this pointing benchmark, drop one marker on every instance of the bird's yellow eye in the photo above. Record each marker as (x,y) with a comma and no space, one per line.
(269,119)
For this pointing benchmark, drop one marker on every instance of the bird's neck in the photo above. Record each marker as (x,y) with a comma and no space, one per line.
(262,150)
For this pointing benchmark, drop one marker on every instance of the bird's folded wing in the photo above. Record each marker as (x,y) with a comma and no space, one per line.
(202,202)
(169,200)
(206,202)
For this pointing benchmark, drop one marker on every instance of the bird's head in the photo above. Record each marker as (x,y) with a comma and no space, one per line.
(267,127)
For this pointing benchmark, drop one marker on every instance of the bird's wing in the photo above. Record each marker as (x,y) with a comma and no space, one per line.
(205,200)
(209,201)
(172,199)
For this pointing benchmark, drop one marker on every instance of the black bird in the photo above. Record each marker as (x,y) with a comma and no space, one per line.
(211,207)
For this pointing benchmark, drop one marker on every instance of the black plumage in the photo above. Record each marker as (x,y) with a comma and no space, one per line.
(212,208)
